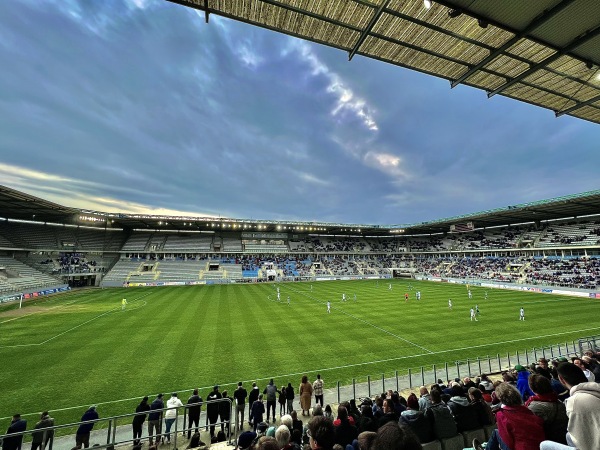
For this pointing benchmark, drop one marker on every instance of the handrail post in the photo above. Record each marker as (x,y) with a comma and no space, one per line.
(176,427)
(499,362)
(535,353)
(397,382)
(468,367)
(338,392)
(409,378)
(114,433)
(422,376)
(518,360)
(354,388)
(434,374)
(383,382)
(369,384)
(108,431)
(508,358)
(458,369)
(446,366)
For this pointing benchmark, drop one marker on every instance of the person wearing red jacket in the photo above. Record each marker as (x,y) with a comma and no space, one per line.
(518,427)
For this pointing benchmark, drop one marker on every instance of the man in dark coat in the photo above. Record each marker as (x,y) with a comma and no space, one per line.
(225,412)
(155,418)
(17,425)
(39,439)
(212,409)
(240,395)
(82,437)
(138,421)
(194,412)
(252,397)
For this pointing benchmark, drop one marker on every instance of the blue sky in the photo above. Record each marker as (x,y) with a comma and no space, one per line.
(139,105)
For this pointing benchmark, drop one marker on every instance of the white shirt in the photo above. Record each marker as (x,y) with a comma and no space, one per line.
(172,403)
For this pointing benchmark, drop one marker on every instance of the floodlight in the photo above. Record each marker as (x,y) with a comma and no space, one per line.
(427,4)
(482,23)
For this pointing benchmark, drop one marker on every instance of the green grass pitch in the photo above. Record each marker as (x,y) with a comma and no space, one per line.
(80,348)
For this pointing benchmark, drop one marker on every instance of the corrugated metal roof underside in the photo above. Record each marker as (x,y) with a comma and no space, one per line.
(537,52)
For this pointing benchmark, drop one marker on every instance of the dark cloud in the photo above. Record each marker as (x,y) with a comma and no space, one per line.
(139,103)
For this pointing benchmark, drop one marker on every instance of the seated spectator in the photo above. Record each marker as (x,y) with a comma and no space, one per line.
(518,427)
(485,394)
(440,417)
(345,431)
(365,440)
(545,404)
(389,413)
(283,436)
(583,366)
(245,440)
(486,383)
(522,381)
(366,421)
(415,419)
(542,368)
(583,409)
(485,416)
(321,433)
(424,399)
(464,414)
(391,436)
(328,412)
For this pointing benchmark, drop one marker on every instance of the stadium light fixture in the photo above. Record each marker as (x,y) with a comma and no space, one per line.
(482,23)
(427,4)
(453,13)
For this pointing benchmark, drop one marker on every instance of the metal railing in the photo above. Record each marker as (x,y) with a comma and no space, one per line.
(48,434)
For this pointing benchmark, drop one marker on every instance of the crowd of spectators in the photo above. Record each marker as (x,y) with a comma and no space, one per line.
(548,405)
(578,272)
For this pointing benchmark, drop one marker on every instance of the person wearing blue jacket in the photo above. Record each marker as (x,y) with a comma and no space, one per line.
(17,425)
(155,418)
(82,437)
(523,382)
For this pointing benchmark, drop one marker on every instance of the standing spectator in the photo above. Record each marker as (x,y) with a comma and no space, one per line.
(138,420)
(225,412)
(282,402)
(254,393)
(171,414)
(38,440)
(518,427)
(155,418)
(256,411)
(544,403)
(82,437)
(305,391)
(318,390)
(212,409)
(271,393)
(194,412)
(289,398)
(240,395)
(17,425)
(389,413)
(583,366)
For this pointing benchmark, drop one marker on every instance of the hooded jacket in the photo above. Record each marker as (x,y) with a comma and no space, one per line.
(90,414)
(554,414)
(464,414)
(523,384)
(38,436)
(583,409)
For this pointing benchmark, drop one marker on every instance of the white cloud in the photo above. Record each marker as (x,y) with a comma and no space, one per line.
(346,101)
(310,178)
(387,163)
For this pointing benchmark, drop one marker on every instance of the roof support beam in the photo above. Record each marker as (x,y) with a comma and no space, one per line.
(450,4)
(570,47)
(368,29)
(577,106)
(535,23)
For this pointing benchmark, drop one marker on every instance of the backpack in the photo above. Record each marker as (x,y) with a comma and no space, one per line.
(442,421)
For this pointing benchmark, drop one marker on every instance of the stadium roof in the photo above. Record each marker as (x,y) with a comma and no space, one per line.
(543,52)
(20,206)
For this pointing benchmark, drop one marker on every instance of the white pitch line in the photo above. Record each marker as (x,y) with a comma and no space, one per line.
(365,321)
(75,327)
(321,370)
